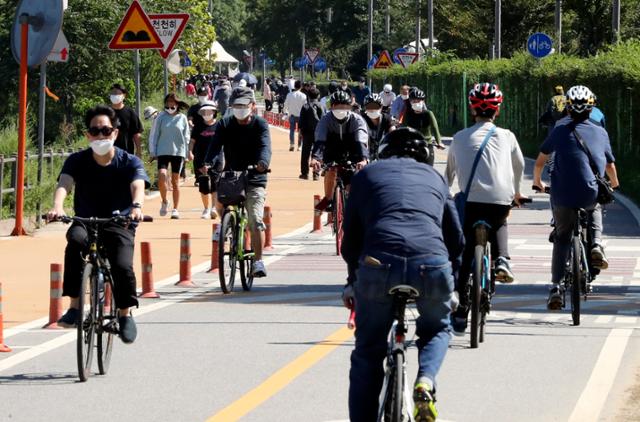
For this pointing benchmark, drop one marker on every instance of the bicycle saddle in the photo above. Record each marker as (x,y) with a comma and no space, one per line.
(404,289)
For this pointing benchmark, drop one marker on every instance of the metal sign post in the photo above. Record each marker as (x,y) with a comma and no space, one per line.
(41,124)
(166,78)
(136,66)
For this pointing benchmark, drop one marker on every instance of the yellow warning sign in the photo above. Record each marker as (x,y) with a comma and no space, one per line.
(135,31)
(384,61)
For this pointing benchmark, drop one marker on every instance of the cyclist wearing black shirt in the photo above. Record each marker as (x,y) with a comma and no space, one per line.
(378,123)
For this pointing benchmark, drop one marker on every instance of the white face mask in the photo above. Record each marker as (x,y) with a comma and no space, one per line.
(374,114)
(417,106)
(405,97)
(201,100)
(171,110)
(116,99)
(241,113)
(345,86)
(340,114)
(207,117)
(102,146)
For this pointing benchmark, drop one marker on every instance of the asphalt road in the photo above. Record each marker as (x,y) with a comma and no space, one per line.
(281,352)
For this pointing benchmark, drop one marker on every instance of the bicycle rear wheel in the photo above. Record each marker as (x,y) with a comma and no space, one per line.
(476,286)
(86,322)
(578,274)
(246,272)
(227,248)
(106,333)
(338,206)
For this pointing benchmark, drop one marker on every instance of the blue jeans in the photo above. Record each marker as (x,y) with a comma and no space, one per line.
(431,276)
(293,125)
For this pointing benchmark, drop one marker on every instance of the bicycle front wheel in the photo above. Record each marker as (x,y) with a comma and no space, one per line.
(338,207)
(398,388)
(578,274)
(227,245)
(476,293)
(108,315)
(87,304)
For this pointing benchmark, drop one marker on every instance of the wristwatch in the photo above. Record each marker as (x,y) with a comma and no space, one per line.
(136,205)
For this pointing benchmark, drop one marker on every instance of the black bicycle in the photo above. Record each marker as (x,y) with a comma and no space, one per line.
(98,318)
(396,401)
(483,280)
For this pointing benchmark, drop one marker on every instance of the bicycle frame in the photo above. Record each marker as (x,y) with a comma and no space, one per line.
(582,232)
(241,225)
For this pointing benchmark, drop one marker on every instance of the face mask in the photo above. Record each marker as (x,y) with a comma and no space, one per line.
(116,99)
(201,100)
(241,113)
(344,86)
(405,97)
(373,114)
(417,106)
(102,146)
(340,114)
(171,110)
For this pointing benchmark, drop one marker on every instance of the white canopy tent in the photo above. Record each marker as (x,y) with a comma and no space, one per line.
(222,57)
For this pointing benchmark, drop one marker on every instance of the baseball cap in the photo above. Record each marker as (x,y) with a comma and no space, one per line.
(242,96)
(149,112)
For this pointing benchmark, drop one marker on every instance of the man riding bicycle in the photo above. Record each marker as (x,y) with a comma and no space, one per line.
(400,227)
(243,139)
(378,123)
(107,179)
(493,187)
(341,136)
(573,183)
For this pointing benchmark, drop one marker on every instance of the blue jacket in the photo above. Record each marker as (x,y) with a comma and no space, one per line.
(401,207)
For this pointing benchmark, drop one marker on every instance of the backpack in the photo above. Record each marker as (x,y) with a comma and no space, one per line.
(558,104)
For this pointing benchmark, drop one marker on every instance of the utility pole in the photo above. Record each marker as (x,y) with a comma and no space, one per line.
(370,38)
(498,29)
(418,36)
(304,35)
(387,21)
(559,25)
(616,21)
(430,20)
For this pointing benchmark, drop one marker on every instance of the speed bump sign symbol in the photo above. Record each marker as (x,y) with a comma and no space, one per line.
(135,31)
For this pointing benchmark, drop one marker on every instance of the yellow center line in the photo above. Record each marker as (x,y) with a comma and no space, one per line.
(284,376)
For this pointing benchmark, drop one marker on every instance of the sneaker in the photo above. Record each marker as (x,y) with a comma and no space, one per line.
(598,258)
(552,236)
(554,303)
(316,176)
(70,318)
(259,270)
(424,403)
(128,330)
(304,177)
(291,148)
(175,214)
(323,204)
(459,320)
(164,208)
(299,148)
(214,214)
(206,214)
(503,270)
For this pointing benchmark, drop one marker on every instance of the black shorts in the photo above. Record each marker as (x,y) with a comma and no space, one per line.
(175,161)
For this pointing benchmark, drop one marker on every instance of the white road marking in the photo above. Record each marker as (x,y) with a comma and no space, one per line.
(553,318)
(604,319)
(626,320)
(595,393)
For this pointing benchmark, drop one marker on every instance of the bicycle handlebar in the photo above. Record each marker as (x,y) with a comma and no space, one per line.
(95,220)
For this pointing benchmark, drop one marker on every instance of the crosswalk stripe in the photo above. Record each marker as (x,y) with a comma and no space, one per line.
(626,320)
(604,319)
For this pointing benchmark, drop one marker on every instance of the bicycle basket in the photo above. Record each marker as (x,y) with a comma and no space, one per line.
(232,187)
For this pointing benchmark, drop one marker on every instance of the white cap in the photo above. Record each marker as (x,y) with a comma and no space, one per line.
(387,88)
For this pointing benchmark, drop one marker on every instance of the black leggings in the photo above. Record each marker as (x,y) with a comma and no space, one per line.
(307,146)
(119,244)
(496,216)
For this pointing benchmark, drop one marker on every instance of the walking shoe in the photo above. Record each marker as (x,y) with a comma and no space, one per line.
(214,214)
(323,204)
(552,235)
(304,177)
(164,208)
(554,303)
(424,403)
(299,148)
(459,320)
(128,330)
(259,270)
(598,258)
(503,270)
(69,319)
(206,214)
(175,214)
(316,176)
(291,148)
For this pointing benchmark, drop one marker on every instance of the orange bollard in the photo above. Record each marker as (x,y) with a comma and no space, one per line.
(148,290)
(185,261)
(268,235)
(55,296)
(317,216)
(3,347)
(214,249)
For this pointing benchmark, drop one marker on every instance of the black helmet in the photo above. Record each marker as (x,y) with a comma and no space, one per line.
(416,94)
(404,142)
(340,97)
(333,87)
(371,99)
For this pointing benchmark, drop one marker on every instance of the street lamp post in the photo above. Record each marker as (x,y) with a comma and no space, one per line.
(430,20)
(370,40)
(418,36)
(616,21)
(498,29)
(559,25)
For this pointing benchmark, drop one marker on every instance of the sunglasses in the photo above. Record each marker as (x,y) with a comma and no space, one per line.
(105,130)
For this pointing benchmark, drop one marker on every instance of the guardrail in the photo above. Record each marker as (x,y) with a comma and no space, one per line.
(9,168)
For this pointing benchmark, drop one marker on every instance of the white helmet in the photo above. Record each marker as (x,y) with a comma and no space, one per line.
(387,88)
(580,99)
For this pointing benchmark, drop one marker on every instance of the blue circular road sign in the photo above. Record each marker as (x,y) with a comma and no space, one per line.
(539,45)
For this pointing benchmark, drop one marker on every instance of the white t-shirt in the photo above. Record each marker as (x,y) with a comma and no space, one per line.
(500,169)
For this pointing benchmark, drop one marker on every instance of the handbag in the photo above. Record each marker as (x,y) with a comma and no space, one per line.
(232,187)
(605,191)
(460,198)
